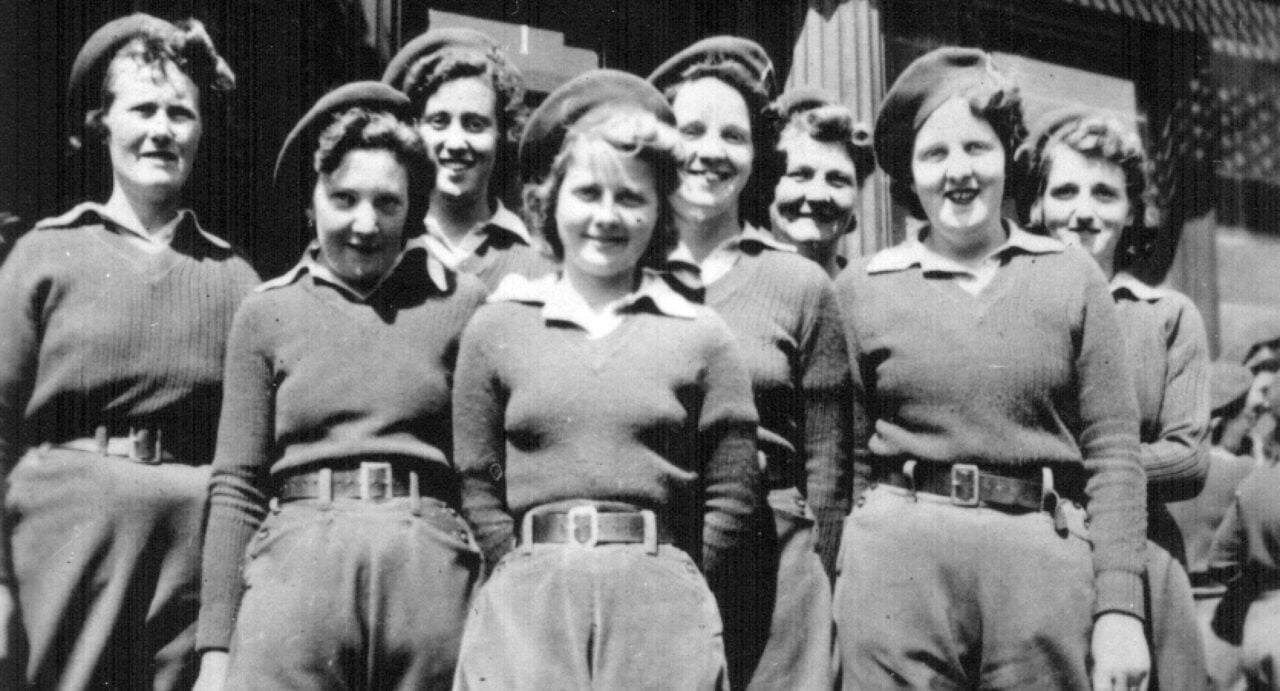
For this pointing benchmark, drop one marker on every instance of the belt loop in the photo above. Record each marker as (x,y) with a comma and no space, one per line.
(1048,495)
(650,532)
(415,498)
(100,437)
(909,472)
(526,533)
(325,485)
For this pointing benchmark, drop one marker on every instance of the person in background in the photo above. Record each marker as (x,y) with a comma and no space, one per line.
(335,557)
(603,424)
(1089,186)
(1199,518)
(825,156)
(783,312)
(469,101)
(114,319)
(990,402)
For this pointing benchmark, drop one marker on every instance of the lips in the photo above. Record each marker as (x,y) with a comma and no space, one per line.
(162,156)
(818,212)
(456,164)
(962,196)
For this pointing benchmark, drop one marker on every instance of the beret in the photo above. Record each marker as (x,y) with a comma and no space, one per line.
(715,50)
(1228,382)
(927,83)
(91,62)
(368,94)
(436,43)
(545,129)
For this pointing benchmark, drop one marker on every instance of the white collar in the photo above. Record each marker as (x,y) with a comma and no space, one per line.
(913,253)
(311,264)
(1124,282)
(71,217)
(560,303)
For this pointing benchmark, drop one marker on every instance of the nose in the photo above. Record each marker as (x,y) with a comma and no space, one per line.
(1084,213)
(607,213)
(455,137)
(959,168)
(706,148)
(161,127)
(364,219)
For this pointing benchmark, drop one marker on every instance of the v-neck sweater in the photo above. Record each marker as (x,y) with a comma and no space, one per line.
(782,310)
(1030,371)
(502,254)
(655,415)
(96,332)
(316,376)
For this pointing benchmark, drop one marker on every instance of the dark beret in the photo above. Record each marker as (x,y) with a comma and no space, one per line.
(1228,382)
(436,43)
(90,67)
(715,50)
(927,83)
(544,132)
(368,94)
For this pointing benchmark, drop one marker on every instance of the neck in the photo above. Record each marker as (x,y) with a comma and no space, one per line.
(142,214)
(599,291)
(456,216)
(977,246)
(701,233)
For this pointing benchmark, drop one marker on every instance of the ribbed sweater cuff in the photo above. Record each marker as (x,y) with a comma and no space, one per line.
(1119,591)
(213,632)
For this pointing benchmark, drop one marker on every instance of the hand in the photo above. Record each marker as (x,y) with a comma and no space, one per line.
(1121,661)
(213,671)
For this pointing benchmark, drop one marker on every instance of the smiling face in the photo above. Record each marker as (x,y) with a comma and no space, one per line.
(712,119)
(814,200)
(460,127)
(1085,202)
(153,128)
(957,171)
(360,211)
(606,210)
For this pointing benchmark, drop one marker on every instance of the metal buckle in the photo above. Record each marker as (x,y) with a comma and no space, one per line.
(583,526)
(143,448)
(964,484)
(381,468)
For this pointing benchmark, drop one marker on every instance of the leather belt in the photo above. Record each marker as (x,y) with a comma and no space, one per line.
(141,446)
(587,526)
(369,481)
(968,485)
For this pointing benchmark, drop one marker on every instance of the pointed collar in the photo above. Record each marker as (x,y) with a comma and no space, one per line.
(560,303)
(913,252)
(311,264)
(503,220)
(93,211)
(1123,283)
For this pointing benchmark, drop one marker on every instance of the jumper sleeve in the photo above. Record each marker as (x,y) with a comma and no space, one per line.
(237,490)
(479,439)
(824,386)
(727,451)
(861,381)
(22,298)
(1177,461)
(1108,439)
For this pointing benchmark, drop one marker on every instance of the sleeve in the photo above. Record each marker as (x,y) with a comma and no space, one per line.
(1108,439)
(22,297)
(824,387)
(237,488)
(731,483)
(479,440)
(1227,552)
(1177,459)
(860,417)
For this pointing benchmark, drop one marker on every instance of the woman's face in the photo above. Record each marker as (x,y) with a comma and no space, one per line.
(713,121)
(957,171)
(814,200)
(605,213)
(1085,202)
(153,128)
(360,211)
(460,127)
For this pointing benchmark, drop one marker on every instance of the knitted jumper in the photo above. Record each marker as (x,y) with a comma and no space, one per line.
(782,310)
(315,376)
(1029,371)
(495,260)
(95,332)
(656,414)
(501,246)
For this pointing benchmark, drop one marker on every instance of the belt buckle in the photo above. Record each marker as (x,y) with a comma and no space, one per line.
(964,484)
(583,526)
(143,447)
(373,473)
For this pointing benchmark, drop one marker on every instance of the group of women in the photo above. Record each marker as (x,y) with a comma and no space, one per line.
(645,443)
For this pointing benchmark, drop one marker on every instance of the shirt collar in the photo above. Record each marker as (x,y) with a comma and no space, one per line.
(185,217)
(914,253)
(310,263)
(1123,283)
(560,303)
(503,220)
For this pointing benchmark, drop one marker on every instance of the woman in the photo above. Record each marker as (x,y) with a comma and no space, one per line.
(1089,188)
(469,100)
(781,308)
(824,158)
(604,421)
(990,398)
(115,319)
(332,479)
